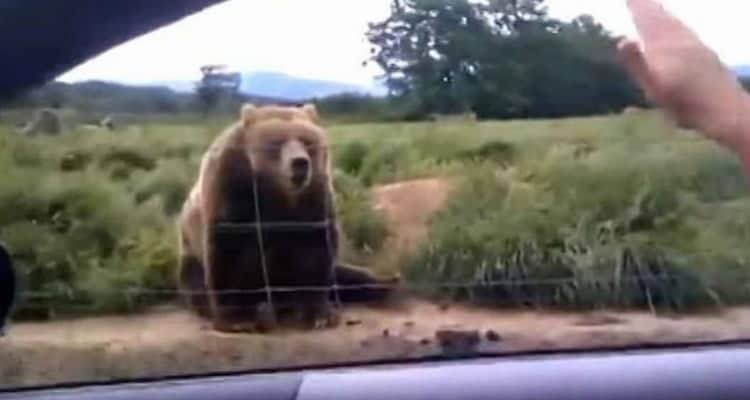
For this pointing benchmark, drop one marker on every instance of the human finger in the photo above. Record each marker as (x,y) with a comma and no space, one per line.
(654,23)
(635,63)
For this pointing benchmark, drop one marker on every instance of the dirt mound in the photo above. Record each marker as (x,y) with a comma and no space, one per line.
(408,207)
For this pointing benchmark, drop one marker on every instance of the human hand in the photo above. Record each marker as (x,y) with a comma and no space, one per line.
(678,72)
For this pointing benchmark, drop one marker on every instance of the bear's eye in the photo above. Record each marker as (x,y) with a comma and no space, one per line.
(275,145)
(310,145)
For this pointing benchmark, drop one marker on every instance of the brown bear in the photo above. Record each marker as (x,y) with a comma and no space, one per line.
(273,167)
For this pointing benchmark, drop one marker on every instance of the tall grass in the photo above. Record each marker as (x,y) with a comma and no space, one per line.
(598,212)
(635,217)
(89,217)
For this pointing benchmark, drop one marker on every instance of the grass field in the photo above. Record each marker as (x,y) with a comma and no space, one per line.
(619,211)
(616,212)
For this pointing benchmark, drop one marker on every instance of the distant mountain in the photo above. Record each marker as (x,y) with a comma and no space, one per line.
(177,86)
(279,85)
(283,86)
(742,70)
(96,96)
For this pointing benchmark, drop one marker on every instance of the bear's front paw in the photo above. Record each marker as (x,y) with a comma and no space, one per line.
(324,316)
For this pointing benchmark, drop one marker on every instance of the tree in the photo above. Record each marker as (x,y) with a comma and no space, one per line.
(217,85)
(428,48)
(500,58)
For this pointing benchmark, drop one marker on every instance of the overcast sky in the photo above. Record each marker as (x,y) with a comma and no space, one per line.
(325,38)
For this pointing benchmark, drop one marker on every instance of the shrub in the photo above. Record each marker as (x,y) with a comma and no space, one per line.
(70,238)
(568,213)
(170,183)
(364,228)
(613,229)
(496,151)
(75,161)
(351,157)
(128,158)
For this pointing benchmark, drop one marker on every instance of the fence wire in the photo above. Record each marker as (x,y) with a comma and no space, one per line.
(261,227)
(402,287)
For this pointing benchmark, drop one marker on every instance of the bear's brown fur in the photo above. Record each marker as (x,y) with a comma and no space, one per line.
(274,163)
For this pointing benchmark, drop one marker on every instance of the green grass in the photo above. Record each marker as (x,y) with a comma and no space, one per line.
(581,213)
(90,216)
(637,215)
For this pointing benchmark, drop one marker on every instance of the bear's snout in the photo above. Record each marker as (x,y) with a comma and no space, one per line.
(300,170)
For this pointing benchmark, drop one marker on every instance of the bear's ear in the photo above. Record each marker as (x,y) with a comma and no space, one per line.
(248,114)
(311,111)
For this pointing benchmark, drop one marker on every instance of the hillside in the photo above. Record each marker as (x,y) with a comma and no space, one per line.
(283,86)
(274,84)
(97,97)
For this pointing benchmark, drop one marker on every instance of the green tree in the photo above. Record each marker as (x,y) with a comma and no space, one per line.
(501,58)
(428,50)
(217,85)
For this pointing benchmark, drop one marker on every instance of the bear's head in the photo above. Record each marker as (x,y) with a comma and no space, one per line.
(286,144)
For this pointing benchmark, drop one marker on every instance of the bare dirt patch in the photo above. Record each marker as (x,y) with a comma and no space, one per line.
(408,207)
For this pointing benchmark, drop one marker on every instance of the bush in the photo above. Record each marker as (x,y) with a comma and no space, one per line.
(567,213)
(364,228)
(170,183)
(351,157)
(78,239)
(130,159)
(613,229)
(392,162)
(75,161)
(496,151)
(384,162)
(25,154)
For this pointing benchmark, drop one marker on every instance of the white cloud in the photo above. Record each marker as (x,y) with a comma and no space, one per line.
(325,38)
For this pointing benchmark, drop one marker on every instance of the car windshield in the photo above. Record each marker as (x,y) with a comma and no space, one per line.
(287,184)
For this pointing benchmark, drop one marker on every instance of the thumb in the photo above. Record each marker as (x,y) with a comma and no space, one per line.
(635,63)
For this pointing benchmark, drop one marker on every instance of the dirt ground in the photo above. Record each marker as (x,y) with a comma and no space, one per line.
(170,341)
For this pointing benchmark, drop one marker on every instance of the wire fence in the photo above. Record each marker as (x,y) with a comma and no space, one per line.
(261,227)
(404,287)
